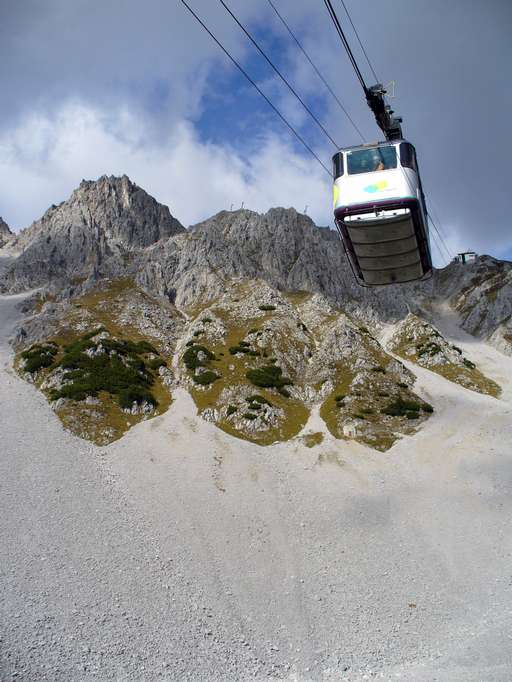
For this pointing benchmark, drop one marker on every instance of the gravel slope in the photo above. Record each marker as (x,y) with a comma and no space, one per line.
(181,553)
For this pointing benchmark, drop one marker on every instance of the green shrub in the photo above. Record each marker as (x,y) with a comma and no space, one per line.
(284,392)
(205,378)
(401,384)
(252,331)
(267,307)
(255,406)
(468,363)
(38,356)
(383,394)
(268,376)
(238,349)
(254,353)
(156,363)
(412,415)
(426,407)
(400,407)
(189,343)
(231,410)
(339,398)
(379,369)
(459,351)
(429,348)
(122,373)
(244,343)
(206,320)
(249,415)
(258,399)
(190,356)
(135,394)
(364,330)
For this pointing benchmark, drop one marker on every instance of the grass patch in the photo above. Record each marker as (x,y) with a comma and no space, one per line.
(312,439)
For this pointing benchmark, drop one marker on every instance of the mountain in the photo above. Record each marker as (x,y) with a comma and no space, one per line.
(282,247)
(257,316)
(5,233)
(100,229)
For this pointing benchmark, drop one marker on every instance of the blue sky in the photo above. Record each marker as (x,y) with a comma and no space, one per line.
(122,87)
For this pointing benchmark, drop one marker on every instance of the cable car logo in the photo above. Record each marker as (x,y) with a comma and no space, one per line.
(376,187)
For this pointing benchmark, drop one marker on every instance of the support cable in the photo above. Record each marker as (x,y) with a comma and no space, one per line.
(242,70)
(315,68)
(276,70)
(377,80)
(345,43)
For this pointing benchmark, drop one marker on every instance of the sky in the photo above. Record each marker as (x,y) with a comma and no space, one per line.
(139,88)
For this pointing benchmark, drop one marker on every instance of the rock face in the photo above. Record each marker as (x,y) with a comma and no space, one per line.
(5,233)
(481,292)
(282,247)
(111,228)
(98,230)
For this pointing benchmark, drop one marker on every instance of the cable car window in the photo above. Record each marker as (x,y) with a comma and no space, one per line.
(408,156)
(369,160)
(337,165)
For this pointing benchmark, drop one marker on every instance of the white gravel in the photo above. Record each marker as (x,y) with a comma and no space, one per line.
(179,552)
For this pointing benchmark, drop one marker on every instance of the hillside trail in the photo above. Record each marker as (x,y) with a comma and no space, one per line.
(180,552)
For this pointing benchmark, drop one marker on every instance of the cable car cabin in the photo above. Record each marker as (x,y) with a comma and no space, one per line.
(380,212)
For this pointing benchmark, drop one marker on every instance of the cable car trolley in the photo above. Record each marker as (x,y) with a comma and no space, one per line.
(380,212)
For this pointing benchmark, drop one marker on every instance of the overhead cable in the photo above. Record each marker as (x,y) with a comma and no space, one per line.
(345,43)
(278,72)
(253,83)
(360,43)
(316,69)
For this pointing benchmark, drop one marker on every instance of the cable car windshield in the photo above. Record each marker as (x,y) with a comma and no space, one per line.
(369,160)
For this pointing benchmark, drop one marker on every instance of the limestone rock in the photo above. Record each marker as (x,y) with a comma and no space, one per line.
(99,230)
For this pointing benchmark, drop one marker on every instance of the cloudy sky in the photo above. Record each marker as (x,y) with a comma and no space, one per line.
(121,86)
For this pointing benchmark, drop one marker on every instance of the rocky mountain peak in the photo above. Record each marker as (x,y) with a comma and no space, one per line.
(5,233)
(101,223)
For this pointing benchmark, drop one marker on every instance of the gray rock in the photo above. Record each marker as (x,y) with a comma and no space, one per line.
(100,229)
(5,233)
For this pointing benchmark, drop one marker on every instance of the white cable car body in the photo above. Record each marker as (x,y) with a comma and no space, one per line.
(380,212)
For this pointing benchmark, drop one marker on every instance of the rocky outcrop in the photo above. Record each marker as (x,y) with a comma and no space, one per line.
(481,292)
(99,230)
(282,247)
(416,340)
(5,233)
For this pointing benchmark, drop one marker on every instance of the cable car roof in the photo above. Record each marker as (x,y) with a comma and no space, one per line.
(372,145)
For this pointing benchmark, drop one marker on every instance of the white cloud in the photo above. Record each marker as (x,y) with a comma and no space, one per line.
(44,159)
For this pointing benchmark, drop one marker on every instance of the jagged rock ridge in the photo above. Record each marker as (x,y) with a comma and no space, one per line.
(5,233)
(112,228)
(97,230)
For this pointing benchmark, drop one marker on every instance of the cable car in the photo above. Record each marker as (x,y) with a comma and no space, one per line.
(380,212)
